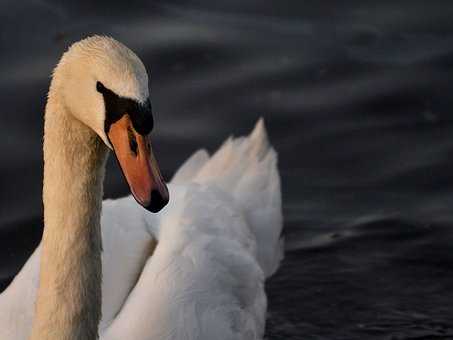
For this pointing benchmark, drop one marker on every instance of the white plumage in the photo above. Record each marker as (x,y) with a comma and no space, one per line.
(217,241)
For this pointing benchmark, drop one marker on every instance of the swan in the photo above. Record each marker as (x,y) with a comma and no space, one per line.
(192,267)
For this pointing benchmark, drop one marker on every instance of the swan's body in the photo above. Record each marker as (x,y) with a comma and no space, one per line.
(217,240)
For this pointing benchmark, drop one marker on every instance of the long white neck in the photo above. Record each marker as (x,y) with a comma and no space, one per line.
(68,304)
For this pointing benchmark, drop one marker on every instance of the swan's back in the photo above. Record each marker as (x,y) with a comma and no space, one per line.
(218,240)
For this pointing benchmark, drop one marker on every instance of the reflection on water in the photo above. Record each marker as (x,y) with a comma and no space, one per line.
(357,100)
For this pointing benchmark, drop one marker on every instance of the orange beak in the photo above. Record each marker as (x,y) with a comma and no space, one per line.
(138,164)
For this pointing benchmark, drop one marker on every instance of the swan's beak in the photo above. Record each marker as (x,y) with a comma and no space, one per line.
(138,164)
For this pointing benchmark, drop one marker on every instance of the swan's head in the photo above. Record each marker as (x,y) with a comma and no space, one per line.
(105,85)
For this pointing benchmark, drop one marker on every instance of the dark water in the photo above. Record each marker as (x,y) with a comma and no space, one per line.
(357,96)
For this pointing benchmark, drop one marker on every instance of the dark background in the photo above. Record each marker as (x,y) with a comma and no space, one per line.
(357,97)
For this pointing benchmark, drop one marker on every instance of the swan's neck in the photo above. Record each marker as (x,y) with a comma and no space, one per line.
(68,304)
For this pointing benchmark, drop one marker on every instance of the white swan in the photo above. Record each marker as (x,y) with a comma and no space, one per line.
(217,239)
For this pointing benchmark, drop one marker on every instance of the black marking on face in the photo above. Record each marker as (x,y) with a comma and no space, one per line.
(116,107)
